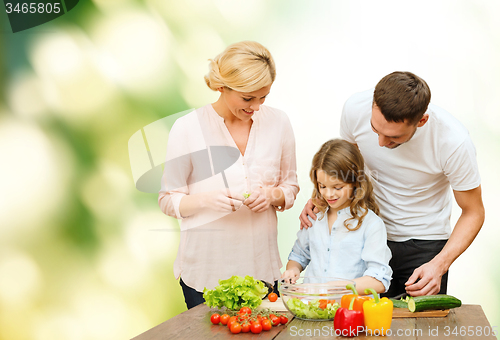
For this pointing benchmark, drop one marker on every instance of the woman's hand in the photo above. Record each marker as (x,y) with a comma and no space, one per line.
(259,200)
(221,200)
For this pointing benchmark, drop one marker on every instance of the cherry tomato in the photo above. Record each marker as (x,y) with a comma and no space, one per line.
(232,320)
(224,319)
(256,328)
(245,328)
(266,325)
(235,328)
(272,297)
(215,318)
(283,319)
(274,319)
(246,310)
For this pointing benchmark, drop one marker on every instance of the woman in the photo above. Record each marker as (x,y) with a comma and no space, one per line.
(222,232)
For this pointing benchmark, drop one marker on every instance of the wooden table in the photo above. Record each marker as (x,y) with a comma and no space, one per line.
(466,322)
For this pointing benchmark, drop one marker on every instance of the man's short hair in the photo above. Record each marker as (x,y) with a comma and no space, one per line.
(402,97)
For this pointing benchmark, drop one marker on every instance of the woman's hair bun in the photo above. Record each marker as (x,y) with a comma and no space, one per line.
(245,66)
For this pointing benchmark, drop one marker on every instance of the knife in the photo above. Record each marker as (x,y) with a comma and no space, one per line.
(398,297)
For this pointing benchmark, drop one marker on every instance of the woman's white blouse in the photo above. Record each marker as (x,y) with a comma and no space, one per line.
(215,245)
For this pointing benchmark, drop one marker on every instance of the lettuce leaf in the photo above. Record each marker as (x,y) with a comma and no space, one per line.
(236,292)
(311,310)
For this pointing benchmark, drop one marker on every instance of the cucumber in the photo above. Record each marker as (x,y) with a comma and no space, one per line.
(399,303)
(429,302)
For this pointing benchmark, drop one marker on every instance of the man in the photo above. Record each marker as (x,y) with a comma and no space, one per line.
(414,151)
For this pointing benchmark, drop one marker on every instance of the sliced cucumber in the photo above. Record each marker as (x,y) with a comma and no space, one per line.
(399,303)
(432,302)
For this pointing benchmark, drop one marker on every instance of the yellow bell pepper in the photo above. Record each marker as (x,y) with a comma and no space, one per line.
(378,314)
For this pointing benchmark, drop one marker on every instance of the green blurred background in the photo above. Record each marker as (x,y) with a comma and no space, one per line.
(83,254)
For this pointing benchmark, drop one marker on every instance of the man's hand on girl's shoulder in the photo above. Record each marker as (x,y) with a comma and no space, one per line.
(309,210)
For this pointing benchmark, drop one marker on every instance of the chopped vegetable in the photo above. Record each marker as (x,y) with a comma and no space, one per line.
(324,303)
(399,303)
(235,293)
(312,309)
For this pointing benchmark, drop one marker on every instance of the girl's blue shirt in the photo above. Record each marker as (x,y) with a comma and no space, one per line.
(343,253)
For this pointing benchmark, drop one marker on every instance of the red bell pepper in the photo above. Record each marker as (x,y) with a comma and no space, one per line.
(348,322)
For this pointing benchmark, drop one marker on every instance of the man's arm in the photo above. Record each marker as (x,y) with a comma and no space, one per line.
(465,231)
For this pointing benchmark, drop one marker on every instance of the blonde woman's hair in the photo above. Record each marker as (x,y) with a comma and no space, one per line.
(343,161)
(245,66)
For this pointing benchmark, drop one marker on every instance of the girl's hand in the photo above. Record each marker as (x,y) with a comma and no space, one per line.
(221,200)
(291,275)
(259,200)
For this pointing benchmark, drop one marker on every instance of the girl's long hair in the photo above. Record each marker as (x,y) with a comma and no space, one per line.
(342,160)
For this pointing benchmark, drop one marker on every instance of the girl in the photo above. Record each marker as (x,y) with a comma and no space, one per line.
(224,233)
(348,240)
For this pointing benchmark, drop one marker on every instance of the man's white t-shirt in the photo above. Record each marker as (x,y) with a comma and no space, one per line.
(412,182)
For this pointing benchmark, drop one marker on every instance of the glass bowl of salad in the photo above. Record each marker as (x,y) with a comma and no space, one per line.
(314,298)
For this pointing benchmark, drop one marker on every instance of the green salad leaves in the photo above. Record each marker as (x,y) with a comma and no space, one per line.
(311,310)
(235,293)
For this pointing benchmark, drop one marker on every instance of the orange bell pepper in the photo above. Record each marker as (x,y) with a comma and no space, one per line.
(358,300)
